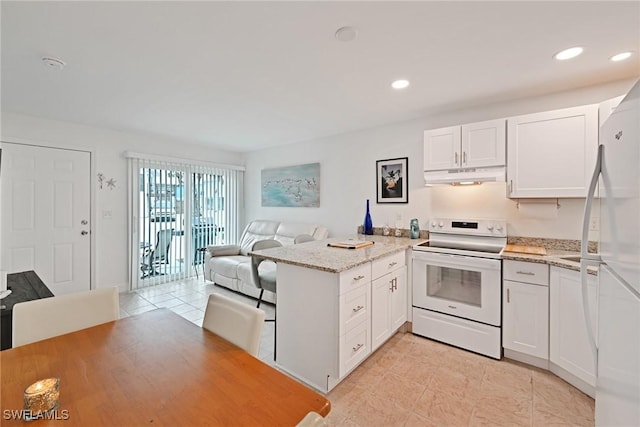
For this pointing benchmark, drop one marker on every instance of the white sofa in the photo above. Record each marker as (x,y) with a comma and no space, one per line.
(230,266)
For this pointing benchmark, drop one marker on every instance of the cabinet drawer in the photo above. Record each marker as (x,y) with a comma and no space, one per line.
(355,307)
(528,272)
(355,346)
(382,266)
(355,277)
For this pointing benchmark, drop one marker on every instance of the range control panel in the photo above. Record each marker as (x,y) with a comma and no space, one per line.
(474,227)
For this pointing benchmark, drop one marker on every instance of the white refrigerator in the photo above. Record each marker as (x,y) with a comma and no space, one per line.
(616,342)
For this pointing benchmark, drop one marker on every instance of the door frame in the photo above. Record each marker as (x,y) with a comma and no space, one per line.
(92,192)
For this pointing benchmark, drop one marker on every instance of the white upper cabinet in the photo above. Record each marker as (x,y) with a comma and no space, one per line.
(442,148)
(483,144)
(468,146)
(606,108)
(552,154)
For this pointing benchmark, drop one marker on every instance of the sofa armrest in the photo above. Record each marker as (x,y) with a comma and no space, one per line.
(223,250)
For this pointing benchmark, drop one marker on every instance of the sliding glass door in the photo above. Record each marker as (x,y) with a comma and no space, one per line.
(177,211)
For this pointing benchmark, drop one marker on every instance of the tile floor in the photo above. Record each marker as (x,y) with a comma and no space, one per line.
(410,381)
(188,298)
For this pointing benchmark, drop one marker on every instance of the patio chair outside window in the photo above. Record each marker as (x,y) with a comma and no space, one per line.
(153,258)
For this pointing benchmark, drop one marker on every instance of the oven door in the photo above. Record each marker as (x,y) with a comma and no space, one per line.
(462,286)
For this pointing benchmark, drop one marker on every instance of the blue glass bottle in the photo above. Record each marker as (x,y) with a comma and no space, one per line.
(367,227)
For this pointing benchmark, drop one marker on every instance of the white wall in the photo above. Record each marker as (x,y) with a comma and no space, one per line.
(347,177)
(347,164)
(109,235)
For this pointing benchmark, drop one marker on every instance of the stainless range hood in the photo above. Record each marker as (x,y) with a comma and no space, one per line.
(465,176)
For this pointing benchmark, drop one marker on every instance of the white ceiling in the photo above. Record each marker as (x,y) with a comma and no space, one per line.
(248,75)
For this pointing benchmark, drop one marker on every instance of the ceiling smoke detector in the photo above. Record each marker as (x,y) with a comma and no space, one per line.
(346,34)
(55,63)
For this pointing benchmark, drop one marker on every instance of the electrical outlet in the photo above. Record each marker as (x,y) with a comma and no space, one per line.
(594,224)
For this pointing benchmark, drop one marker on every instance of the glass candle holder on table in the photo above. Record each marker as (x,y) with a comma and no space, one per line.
(41,397)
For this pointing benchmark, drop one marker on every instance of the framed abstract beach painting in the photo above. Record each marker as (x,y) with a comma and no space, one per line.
(292,186)
(392,182)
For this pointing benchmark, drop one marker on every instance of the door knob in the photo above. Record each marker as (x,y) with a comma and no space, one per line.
(84,222)
(84,232)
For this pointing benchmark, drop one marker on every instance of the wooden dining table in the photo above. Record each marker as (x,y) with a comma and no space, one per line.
(153,369)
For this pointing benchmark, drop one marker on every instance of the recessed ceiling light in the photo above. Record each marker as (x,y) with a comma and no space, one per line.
(621,56)
(346,34)
(400,84)
(572,52)
(55,63)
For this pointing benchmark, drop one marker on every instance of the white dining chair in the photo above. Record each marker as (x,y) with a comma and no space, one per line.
(313,419)
(235,321)
(49,317)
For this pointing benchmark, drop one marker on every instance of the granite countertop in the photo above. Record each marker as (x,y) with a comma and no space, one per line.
(317,255)
(554,257)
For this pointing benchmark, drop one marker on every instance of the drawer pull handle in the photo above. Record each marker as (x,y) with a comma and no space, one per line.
(357,309)
(526,273)
(391,264)
(357,347)
(508,296)
(452,307)
(360,277)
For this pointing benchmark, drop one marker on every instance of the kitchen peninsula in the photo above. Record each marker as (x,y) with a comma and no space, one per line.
(335,306)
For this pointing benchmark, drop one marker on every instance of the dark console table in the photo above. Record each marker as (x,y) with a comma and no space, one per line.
(25,286)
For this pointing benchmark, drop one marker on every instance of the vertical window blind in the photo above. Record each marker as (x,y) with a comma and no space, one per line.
(177,208)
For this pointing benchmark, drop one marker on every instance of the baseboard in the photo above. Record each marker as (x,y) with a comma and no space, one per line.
(578,383)
(526,358)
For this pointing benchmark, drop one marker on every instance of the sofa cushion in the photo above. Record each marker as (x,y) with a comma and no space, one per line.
(257,230)
(228,265)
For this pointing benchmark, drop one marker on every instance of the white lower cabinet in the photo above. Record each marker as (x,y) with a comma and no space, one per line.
(355,346)
(525,312)
(570,352)
(388,305)
(326,321)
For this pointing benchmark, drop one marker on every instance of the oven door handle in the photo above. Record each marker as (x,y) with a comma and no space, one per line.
(457,261)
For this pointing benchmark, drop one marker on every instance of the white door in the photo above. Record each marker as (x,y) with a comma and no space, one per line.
(45,198)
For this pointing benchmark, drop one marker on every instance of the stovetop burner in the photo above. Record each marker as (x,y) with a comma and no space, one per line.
(481,238)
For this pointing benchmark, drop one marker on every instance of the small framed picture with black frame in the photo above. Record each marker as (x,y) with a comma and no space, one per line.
(392,181)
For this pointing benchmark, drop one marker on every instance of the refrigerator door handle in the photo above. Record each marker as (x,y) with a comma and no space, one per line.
(588,259)
(584,264)
(584,247)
